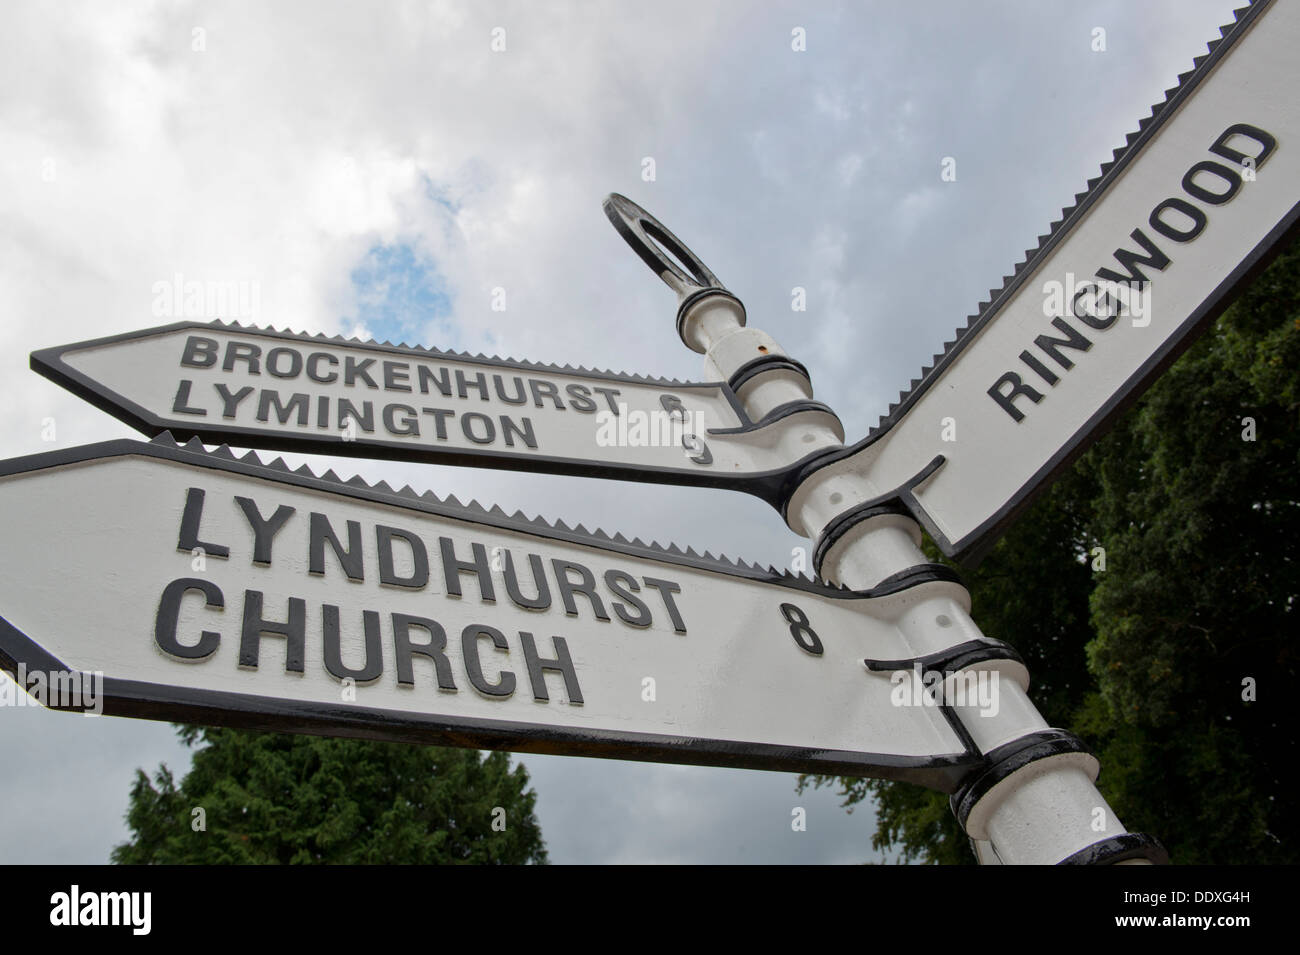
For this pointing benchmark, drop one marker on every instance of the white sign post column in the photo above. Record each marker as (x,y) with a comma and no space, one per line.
(1032,801)
(1035,802)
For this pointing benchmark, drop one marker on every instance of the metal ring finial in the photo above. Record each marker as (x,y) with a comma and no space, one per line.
(646,235)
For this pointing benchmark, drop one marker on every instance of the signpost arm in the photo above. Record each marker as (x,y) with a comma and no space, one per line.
(1032,799)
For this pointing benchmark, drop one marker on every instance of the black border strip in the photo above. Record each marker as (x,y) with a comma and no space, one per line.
(779,412)
(954,658)
(1112,849)
(901,500)
(691,300)
(765,363)
(1005,760)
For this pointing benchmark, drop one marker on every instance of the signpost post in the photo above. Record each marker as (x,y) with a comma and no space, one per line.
(241,593)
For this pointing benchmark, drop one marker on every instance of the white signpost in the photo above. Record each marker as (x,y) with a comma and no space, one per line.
(209,589)
(1147,257)
(228,591)
(254,387)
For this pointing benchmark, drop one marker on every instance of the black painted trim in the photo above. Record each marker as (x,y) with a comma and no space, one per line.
(690,301)
(901,500)
(766,363)
(1005,760)
(954,658)
(1112,849)
(841,524)
(780,412)
(937,571)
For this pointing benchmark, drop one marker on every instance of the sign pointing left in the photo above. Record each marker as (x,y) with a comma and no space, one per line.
(209,589)
(261,388)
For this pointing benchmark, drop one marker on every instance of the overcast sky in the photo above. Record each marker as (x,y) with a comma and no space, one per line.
(379,169)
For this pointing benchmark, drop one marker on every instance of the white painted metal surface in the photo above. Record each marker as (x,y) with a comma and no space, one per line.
(260,388)
(672,658)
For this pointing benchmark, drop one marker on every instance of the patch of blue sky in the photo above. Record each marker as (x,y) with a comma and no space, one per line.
(440,196)
(402,297)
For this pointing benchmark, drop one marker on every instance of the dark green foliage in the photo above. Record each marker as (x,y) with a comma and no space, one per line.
(1146,659)
(274,798)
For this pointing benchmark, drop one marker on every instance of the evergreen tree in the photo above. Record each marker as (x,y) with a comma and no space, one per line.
(258,798)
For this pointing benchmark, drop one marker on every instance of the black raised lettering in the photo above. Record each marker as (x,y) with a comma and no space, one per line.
(181,404)
(1131,260)
(1007,399)
(518,398)
(452,568)
(294,632)
(321,531)
(270,400)
(1157,220)
(397,376)
(1266,141)
(229,401)
(191,517)
(435,649)
(355,369)
(264,529)
(273,361)
(469,639)
(1197,191)
(543,599)
(199,352)
(561,663)
(585,586)
(373,667)
(545,389)
(313,367)
(510,430)
(419,576)
(580,398)
(245,352)
(169,610)
(624,585)
(666,590)
(408,424)
(1052,346)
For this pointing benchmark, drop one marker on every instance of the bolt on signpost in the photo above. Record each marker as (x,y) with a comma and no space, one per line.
(247,594)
